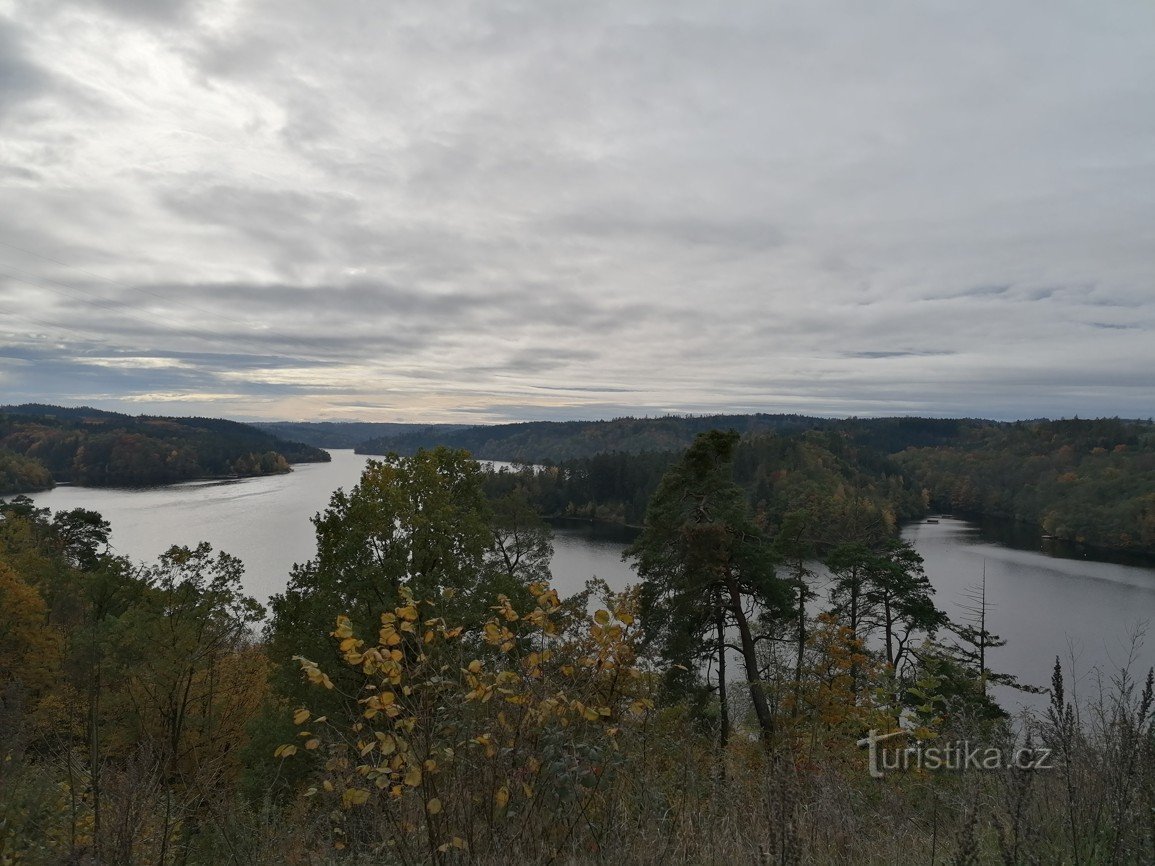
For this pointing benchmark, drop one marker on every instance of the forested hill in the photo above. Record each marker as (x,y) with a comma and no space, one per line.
(819,478)
(1085,481)
(1088,481)
(348,434)
(539,441)
(41,445)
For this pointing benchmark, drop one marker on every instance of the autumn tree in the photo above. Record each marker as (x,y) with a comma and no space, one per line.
(419,524)
(193,678)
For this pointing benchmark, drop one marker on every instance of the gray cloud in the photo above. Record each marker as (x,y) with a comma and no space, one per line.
(20,78)
(523,209)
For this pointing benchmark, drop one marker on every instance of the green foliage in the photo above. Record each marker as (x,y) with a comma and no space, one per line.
(350,434)
(553,441)
(1090,482)
(22,474)
(702,560)
(419,524)
(845,490)
(95,448)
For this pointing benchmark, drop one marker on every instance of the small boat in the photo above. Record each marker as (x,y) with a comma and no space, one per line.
(932,520)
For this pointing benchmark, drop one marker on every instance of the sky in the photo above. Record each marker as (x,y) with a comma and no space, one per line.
(482,211)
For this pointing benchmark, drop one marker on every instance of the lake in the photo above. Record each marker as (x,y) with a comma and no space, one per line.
(1043,605)
(265,522)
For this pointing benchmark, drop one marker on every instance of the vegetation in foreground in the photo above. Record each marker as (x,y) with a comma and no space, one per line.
(420,695)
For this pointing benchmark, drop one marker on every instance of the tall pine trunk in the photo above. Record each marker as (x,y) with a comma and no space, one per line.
(750,660)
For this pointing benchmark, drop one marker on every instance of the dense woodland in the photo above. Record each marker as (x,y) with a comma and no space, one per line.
(1089,482)
(348,434)
(419,693)
(540,441)
(816,470)
(43,445)
(1092,482)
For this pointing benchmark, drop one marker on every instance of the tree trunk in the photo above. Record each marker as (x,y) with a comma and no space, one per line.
(750,660)
(801,655)
(723,704)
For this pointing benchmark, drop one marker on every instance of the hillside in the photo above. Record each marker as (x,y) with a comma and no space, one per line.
(41,445)
(1086,481)
(347,434)
(540,441)
(779,475)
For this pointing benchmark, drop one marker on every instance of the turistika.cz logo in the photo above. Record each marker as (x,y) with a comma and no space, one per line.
(959,755)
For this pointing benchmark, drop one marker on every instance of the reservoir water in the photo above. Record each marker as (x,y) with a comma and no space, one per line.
(1043,605)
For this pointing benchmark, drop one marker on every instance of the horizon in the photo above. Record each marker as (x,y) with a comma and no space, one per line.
(642,417)
(529,211)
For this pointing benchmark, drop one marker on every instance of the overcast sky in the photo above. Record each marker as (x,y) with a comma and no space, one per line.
(485,211)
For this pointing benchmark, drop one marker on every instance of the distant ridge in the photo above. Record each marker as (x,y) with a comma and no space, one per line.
(537,441)
(345,434)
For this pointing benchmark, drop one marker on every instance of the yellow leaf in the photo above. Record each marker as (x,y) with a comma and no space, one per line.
(413,777)
(501,798)
(354,797)
(625,618)
(327,785)
(312,744)
(474,666)
(344,627)
(433,807)
(285,751)
(300,716)
(602,616)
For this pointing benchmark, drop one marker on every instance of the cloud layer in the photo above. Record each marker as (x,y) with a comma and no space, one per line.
(539,209)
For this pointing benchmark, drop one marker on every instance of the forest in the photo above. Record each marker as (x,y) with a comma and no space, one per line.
(1089,482)
(44,445)
(419,693)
